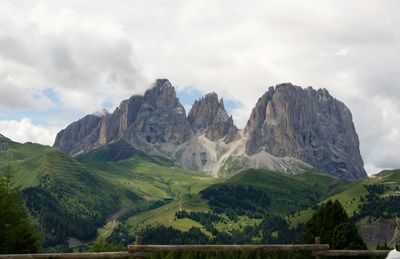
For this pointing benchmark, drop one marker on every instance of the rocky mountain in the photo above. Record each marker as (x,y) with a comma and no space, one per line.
(161,118)
(80,135)
(290,129)
(208,115)
(308,124)
(115,125)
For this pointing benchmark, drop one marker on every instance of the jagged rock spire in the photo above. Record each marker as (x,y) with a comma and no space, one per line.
(208,115)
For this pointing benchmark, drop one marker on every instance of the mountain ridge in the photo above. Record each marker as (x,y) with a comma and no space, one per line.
(290,129)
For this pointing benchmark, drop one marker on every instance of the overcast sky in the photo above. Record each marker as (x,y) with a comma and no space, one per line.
(60,60)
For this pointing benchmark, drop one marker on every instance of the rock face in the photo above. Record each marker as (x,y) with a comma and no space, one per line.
(289,129)
(98,129)
(310,125)
(162,118)
(155,118)
(79,135)
(114,126)
(381,231)
(208,115)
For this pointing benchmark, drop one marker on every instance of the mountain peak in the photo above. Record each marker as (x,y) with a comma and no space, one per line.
(285,85)
(101,113)
(290,87)
(205,111)
(162,83)
(162,118)
(208,115)
(211,95)
(161,95)
(306,124)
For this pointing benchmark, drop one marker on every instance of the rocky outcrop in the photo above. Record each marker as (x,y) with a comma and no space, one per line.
(98,129)
(208,116)
(162,118)
(114,126)
(153,119)
(381,231)
(307,124)
(80,135)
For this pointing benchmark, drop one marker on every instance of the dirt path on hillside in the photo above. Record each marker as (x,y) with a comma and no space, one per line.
(113,219)
(73,242)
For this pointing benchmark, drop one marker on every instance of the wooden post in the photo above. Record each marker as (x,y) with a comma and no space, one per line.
(317,242)
(138,240)
(139,254)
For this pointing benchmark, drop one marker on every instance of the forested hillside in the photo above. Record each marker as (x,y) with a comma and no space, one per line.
(113,194)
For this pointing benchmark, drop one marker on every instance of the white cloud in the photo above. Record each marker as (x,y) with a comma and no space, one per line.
(343,52)
(77,55)
(90,54)
(24,130)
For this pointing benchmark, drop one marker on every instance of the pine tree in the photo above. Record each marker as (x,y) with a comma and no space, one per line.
(334,227)
(17,234)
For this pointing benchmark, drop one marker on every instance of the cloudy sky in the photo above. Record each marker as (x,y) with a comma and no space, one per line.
(60,60)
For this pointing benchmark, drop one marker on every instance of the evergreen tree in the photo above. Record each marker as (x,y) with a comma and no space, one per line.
(17,234)
(334,227)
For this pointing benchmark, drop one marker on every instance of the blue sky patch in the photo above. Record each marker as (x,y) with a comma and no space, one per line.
(188,95)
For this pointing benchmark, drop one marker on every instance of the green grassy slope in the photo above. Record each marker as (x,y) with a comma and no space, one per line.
(117,151)
(286,193)
(375,212)
(72,199)
(24,158)
(66,199)
(350,198)
(151,181)
(355,194)
(165,215)
(150,177)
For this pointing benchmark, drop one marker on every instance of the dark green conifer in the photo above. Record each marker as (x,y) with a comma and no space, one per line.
(334,227)
(17,234)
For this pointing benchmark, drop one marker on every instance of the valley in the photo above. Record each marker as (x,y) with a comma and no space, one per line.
(148,169)
(122,198)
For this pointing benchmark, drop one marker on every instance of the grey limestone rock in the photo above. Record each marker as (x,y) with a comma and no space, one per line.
(162,118)
(208,115)
(307,124)
(98,129)
(114,125)
(79,134)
